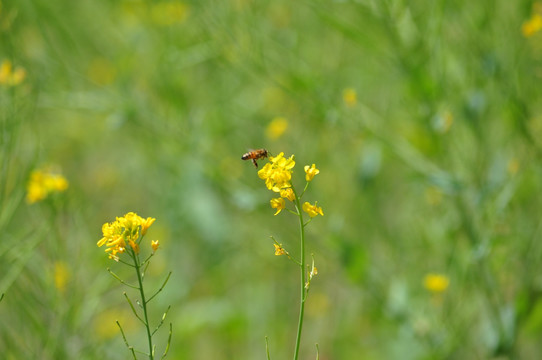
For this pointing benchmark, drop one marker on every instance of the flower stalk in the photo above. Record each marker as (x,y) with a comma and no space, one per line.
(123,239)
(303,293)
(277,175)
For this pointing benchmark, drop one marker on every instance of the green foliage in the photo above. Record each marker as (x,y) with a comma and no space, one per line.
(147,106)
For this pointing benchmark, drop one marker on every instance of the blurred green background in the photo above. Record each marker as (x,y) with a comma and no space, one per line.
(424,119)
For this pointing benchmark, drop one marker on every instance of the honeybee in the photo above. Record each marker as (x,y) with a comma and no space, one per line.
(255,155)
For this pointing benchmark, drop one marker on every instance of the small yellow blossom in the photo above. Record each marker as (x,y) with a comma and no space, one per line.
(124,230)
(145,224)
(287,193)
(276,128)
(61,275)
(278,204)
(42,183)
(155,244)
(350,97)
(10,76)
(312,210)
(279,250)
(277,173)
(532,26)
(311,172)
(436,283)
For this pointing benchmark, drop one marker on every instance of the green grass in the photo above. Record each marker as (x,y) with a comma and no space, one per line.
(149,116)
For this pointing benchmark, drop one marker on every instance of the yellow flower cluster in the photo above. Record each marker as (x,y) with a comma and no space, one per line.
(125,230)
(10,76)
(42,183)
(277,173)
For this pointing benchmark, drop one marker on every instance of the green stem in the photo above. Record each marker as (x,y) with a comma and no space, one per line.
(137,266)
(302,268)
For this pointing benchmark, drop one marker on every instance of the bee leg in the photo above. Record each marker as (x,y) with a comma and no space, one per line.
(255,163)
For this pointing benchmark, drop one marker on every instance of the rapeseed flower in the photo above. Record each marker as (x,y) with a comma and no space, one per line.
(10,76)
(279,250)
(350,97)
(124,230)
(276,128)
(277,203)
(42,183)
(311,172)
(532,26)
(61,275)
(277,173)
(312,210)
(287,193)
(436,283)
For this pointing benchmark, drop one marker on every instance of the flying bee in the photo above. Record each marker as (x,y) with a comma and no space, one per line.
(255,155)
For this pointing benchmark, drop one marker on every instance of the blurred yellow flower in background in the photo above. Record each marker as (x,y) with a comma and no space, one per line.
(104,323)
(61,275)
(101,71)
(10,76)
(42,183)
(276,128)
(436,283)
(532,26)
(168,12)
(350,97)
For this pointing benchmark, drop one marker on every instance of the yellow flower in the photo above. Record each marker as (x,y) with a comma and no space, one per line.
(531,26)
(42,183)
(61,275)
(278,204)
(145,224)
(312,210)
(350,97)
(436,283)
(124,230)
(279,250)
(10,76)
(277,173)
(155,244)
(276,128)
(311,172)
(287,193)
